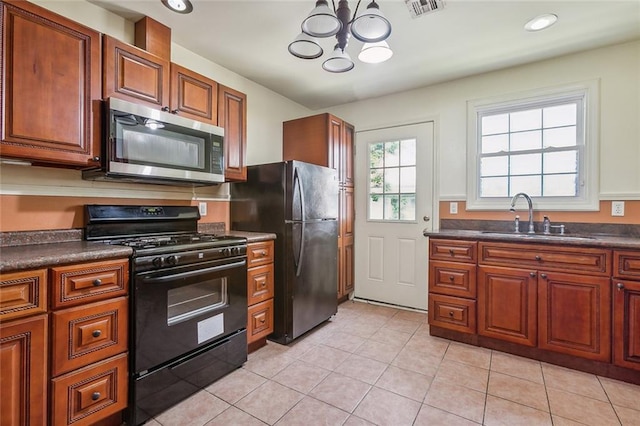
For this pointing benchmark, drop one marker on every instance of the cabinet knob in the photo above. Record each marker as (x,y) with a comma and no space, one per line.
(532,274)
(538,258)
(620,286)
(165,108)
(263,254)
(451,252)
(450,313)
(451,278)
(174,111)
(96,159)
(95,396)
(96,333)
(262,321)
(543,276)
(97,282)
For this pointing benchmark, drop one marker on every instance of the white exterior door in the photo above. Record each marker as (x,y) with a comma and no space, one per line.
(394,203)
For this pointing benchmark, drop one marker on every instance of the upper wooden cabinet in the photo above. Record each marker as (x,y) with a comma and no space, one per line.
(50,80)
(193,95)
(322,139)
(232,116)
(135,75)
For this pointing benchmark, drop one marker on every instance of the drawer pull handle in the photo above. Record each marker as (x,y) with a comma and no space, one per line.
(451,252)
(97,282)
(532,274)
(262,321)
(538,258)
(263,254)
(96,333)
(451,278)
(450,313)
(543,276)
(95,396)
(620,286)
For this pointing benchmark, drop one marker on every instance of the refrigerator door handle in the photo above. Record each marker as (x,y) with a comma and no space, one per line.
(300,251)
(298,183)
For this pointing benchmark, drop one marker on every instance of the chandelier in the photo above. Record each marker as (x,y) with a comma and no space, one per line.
(369,26)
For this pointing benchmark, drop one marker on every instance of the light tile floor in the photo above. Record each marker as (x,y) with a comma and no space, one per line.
(376,365)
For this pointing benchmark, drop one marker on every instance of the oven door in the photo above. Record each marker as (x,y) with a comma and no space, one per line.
(178,310)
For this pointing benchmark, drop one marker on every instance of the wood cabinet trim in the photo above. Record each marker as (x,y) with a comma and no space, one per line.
(626,323)
(453,250)
(23,293)
(453,279)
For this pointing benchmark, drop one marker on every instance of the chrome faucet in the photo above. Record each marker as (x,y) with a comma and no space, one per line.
(513,208)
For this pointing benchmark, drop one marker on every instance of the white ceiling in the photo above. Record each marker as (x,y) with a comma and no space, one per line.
(466,37)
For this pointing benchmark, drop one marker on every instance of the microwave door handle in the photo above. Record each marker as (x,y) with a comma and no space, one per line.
(195,273)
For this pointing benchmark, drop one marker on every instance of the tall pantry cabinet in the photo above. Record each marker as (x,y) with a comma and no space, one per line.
(327,140)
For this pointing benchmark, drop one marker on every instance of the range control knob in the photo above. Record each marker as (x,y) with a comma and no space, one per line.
(226,252)
(171,260)
(157,262)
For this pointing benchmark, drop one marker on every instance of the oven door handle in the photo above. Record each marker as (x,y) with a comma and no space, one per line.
(195,273)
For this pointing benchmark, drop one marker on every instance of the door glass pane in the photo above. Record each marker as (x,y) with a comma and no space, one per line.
(192,300)
(392,180)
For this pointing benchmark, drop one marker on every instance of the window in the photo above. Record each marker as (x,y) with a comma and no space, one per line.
(543,145)
(392,180)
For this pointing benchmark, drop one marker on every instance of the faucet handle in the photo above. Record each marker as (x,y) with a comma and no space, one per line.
(517,224)
(546,224)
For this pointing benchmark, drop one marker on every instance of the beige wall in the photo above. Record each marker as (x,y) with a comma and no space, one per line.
(617,68)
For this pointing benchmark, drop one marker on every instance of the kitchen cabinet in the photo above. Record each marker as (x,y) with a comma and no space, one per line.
(327,140)
(89,341)
(23,293)
(232,116)
(136,75)
(566,288)
(50,87)
(452,285)
(626,309)
(260,292)
(23,371)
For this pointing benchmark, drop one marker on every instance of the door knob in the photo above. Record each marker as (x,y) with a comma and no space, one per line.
(426,218)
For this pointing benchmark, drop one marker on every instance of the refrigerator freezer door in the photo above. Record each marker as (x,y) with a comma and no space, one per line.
(312,192)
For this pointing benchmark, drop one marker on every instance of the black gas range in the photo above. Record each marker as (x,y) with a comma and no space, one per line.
(188,301)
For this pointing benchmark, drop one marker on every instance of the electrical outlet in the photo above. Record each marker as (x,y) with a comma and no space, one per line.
(617,208)
(453,207)
(202,206)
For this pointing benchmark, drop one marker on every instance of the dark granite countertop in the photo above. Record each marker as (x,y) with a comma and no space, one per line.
(583,240)
(253,237)
(31,256)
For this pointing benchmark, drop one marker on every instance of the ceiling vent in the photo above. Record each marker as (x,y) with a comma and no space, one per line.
(420,7)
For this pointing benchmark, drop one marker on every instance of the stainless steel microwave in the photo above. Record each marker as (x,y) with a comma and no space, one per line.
(142,144)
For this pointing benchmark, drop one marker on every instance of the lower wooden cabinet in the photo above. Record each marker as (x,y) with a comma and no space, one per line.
(626,320)
(23,371)
(507,307)
(260,292)
(575,315)
(90,394)
(454,313)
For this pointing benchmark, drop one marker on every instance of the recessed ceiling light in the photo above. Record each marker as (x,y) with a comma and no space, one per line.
(180,6)
(541,22)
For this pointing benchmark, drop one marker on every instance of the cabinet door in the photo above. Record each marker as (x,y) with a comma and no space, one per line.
(346,156)
(307,139)
(259,320)
(132,74)
(50,83)
(336,131)
(23,371)
(507,306)
(346,277)
(193,95)
(626,328)
(232,115)
(574,315)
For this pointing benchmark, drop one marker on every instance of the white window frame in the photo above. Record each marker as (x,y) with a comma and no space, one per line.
(588,164)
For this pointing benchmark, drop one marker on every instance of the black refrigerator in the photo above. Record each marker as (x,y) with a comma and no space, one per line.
(299,203)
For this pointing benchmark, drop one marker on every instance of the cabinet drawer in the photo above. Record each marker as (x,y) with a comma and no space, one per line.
(626,264)
(260,284)
(88,282)
(23,293)
(88,333)
(453,250)
(453,279)
(454,313)
(260,320)
(553,258)
(86,396)
(259,253)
